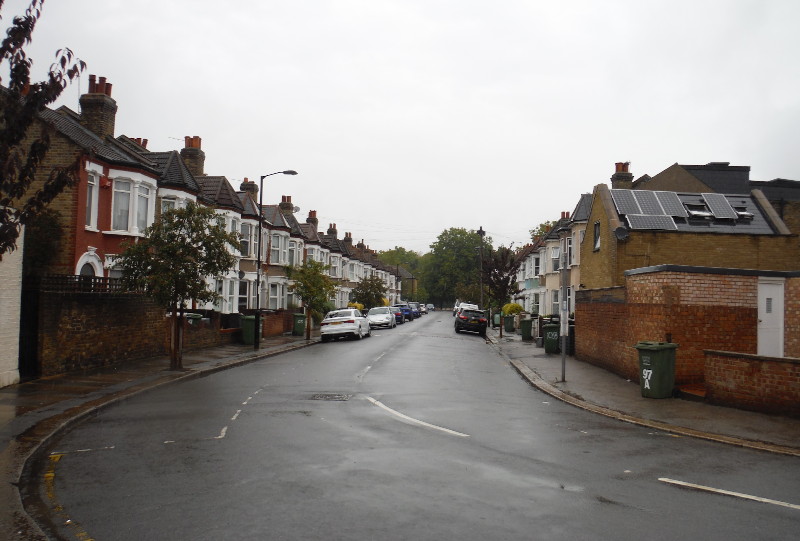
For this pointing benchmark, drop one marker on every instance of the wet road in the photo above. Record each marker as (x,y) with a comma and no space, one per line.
(415,433)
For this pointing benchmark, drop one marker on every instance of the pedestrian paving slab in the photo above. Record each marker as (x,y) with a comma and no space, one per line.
(598,390)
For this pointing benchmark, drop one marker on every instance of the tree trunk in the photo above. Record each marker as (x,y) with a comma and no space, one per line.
(176,340)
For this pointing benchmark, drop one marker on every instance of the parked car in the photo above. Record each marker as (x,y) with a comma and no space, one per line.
(464,306)
(423,309)
(415,308)
(381,316)
(407,312)
(399,316)
(345,322)
(471,320)
(430,307)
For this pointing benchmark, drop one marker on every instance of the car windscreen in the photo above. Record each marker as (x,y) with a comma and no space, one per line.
(373,311)
(340,313)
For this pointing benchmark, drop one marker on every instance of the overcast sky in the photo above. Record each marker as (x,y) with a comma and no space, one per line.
(406,117)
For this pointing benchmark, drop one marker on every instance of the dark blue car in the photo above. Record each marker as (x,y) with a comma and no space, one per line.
(399,316)
(407,313)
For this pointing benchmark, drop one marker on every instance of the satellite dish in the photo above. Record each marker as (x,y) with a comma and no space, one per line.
(241,275)
(296,209)
(621,233)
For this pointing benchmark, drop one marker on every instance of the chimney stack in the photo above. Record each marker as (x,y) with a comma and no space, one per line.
(286,205)
(622,179)
(332,230)
(312,219)
(348,239)
(193,156)
(250,187)
(98,109)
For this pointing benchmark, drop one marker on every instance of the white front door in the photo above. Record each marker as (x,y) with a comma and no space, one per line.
(770,317)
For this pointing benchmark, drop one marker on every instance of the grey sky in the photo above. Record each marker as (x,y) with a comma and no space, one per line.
(406,117)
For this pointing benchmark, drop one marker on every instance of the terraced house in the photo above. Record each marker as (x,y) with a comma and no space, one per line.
(122,188)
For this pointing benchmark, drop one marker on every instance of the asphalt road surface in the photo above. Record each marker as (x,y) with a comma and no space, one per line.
(415,433)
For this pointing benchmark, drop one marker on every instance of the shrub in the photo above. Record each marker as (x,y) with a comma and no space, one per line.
(512,309)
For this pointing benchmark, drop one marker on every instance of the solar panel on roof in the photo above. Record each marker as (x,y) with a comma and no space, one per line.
(719,205)
(650,221)
(648,202)
(671,204)
(625,202)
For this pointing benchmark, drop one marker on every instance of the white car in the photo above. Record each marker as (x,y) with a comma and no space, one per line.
(381,316)
(345,322)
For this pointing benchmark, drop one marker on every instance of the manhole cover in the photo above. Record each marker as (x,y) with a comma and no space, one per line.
(335,397)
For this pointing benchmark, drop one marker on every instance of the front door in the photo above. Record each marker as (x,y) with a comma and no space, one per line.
(770,317)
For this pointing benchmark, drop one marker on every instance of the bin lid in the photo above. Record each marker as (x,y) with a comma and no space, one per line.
(248,317)
(650,345)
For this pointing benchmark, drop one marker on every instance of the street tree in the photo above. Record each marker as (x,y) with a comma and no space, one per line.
(313,285)
(174,260)
(499,268)
(408,259)
(24,141)
(370,291)
(453,263)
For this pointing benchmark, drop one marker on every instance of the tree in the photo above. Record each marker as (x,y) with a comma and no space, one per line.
(314,286)
(370,292)
(172,263)
(499,268)
(453,262)
(21,101)
(407,259)
(542,229)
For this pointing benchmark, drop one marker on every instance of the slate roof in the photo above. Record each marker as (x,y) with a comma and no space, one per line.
(249,207)
(310,232)
(273,215)
(218,192)
(174,172)
(67,122)
(583,208)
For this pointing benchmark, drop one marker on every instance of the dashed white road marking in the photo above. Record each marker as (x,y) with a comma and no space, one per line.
(727,493)
(222,433)
(416,421)
(235,415)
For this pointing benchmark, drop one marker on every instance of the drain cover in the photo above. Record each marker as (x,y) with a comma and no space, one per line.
(334,397)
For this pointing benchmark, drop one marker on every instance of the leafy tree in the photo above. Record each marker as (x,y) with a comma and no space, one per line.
(453,263)
(171,264)
(542,229)
(314,286)
(499,268)
(370,292)
(21,150)
(407,259)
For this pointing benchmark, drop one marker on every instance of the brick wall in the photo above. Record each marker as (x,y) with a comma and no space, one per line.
(754,383)
(791,347)
(696,311)
(82,330)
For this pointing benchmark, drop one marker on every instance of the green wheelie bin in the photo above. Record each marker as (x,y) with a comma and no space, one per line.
(656,368)
(299,327)
(551,337)
(526,329)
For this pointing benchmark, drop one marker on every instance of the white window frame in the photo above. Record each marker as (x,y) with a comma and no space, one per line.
(555,257)
(136,183)
(596,228)
(246,239)
(92,196)
(555,306)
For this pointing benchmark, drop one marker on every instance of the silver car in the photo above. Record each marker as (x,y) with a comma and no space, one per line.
(347,322)
(381,316)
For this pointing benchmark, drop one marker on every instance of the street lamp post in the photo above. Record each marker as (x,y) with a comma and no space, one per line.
(256,328)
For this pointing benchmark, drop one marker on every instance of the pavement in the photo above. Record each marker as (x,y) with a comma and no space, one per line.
(35,411)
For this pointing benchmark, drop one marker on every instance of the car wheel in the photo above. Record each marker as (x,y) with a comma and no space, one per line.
(359,335)
(325,338)
(458,330)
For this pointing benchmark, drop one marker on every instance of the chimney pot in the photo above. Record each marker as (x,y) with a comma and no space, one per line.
(108,90)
